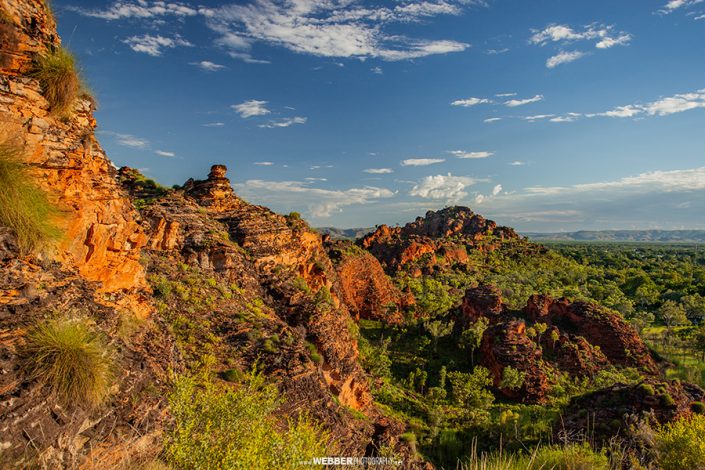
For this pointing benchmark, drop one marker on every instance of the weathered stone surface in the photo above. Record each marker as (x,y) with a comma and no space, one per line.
(443,236)
(366,290)
(580,339)
(101,236)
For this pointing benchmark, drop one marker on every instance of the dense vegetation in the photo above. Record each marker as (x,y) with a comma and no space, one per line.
(427,372)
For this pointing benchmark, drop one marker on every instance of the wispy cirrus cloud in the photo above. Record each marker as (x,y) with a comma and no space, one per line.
(127,140)
(208,66)
(521,102)
(421,161)
(155,45)
(284,122)
(602,36)
(470,155)
(321,202)
(164,153)
(141,9)
(469,102)
(378,171)
(564,57)
(662,107)
(333,28)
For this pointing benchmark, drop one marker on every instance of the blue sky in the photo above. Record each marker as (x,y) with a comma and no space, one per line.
(544,115)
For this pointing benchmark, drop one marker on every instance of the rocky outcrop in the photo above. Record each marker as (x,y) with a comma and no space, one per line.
(441,237)
(366,290)
(618,340)
(620,407)
(549,337)
(482,302)
(102,239)
(507,345)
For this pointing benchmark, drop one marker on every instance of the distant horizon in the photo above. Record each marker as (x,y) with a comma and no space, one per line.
(553,116)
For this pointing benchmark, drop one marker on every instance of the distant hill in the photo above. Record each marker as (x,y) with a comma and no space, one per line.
(345,233)
(653,236)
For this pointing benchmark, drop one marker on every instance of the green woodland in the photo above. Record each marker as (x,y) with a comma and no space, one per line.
(426,373)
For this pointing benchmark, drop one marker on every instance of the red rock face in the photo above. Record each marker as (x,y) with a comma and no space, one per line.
(102,238)
(618,340)
(366,290)
(448,234)
(482,302)
(580,340)
(506,344)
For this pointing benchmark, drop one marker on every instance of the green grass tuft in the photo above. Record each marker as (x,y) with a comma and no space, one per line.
(59,79)
(71,358)
(24,207)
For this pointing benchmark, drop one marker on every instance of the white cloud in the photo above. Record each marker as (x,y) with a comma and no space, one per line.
(141,9)
(491,120)
(496,51)
(378,171)
(284,122)
(332,28)
(570,117)
(154,45)
(445,187)
(538,117)
(213,124)
(497,189)
(264,163)
(421,161)
(468,102)
(377,70)
(674,5)
(321,202)
(670,105)
(515,103)
(517,163)
(312,179)
(672,180)
(128,140)
(608,42)
(563,57)
(565,34)
(251,108)
(505,95)
(470,155)
(164,153)
(208,66)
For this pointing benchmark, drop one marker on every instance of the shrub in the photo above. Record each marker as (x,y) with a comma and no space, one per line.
(24,207)
(680,444)
(313,353)
(59,79)
(647,389)
(698,407)
(71,358)
(217,426)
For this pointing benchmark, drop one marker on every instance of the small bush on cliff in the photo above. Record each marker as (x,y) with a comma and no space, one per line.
(24,207)
(57,74)
(71,358)
(680,444)
(217,426)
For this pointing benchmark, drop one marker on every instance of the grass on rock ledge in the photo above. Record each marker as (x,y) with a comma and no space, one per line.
(24,207)
(70,357)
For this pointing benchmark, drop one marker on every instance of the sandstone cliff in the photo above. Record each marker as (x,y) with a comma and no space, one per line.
(441,237)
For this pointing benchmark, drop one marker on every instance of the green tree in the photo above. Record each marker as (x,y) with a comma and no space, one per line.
(512,378)
(470,392)
(672,314)
(432,297)
(694,307)
(471,338)
(438,329)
